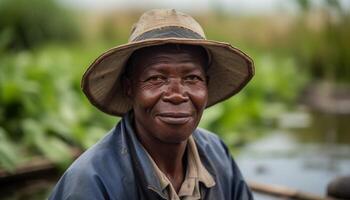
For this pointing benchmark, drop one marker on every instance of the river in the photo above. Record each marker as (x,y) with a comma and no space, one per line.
(305,152)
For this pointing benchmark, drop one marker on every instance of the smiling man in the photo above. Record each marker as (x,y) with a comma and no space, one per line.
(160,83)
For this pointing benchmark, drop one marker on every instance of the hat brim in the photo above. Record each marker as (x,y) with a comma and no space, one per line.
(229,72)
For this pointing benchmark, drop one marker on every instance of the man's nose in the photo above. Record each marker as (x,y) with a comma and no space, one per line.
(175,92)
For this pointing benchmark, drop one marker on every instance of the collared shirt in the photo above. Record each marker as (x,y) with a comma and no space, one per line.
(195,173)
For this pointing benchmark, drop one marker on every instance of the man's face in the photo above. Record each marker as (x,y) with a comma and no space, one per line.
(169,93)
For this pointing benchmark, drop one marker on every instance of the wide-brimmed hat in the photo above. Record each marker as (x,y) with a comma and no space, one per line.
(229,71)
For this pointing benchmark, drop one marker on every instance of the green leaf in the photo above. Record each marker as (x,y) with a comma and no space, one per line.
(8,152)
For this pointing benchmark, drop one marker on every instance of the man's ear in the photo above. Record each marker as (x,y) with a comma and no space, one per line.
(127,86)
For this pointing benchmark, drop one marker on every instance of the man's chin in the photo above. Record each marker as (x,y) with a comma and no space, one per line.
(175,139)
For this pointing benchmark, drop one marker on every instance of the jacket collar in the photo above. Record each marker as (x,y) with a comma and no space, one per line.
(142,164)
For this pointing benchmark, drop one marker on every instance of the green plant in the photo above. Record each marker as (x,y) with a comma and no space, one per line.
(27,24)
(324,52)
(42,106)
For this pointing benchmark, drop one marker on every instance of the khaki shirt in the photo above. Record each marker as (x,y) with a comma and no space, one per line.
(195,173)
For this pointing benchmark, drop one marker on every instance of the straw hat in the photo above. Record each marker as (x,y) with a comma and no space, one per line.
(229,72)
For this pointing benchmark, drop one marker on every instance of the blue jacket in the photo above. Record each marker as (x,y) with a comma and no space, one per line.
(118,168)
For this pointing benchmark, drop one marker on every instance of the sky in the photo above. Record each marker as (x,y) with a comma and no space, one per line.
(231,6)
(242,7)
(239,6)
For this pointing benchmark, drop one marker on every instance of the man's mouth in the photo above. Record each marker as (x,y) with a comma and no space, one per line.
(174,118)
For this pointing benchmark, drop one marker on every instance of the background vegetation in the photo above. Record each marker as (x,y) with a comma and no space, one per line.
(44,52)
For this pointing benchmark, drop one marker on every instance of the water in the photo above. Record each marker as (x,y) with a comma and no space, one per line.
(303,156)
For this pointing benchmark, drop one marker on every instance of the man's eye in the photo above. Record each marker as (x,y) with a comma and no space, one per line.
(193,78)
(156,78)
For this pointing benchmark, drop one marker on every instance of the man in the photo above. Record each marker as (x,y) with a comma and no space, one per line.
(160,83)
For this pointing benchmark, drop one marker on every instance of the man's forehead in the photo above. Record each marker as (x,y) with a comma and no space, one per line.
(153,57)
(172,48)
(147,55)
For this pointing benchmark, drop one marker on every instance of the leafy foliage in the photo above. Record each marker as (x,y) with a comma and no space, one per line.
(42,107)
(325,52)
(27,24)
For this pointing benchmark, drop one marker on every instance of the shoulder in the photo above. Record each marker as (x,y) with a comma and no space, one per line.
(93,172)
(98,157)
(217,154)
(212,150)
(210,141)
(216,157)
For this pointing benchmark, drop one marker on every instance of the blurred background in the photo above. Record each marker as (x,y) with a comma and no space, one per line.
(289,127)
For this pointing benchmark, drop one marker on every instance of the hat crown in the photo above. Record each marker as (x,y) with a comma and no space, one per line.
(160,18)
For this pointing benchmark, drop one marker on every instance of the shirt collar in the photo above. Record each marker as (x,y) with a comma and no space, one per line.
(195,173)
(195,167)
